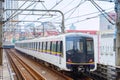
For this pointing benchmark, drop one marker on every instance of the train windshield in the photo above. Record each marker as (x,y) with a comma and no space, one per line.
(75,44)
(90,46)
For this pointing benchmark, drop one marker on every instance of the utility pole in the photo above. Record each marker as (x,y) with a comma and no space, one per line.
(117,9)
(1,23)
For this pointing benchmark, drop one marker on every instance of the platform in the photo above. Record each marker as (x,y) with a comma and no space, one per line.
(5,70)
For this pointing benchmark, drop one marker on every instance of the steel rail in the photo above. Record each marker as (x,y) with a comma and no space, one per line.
(23,67)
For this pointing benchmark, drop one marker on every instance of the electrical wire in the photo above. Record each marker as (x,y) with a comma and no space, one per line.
(86,14)
(75,8)
(16,10)
(102,12)
(28,13)
(67,4)
(66,12)
(83,20)
(51,9)
(23,10)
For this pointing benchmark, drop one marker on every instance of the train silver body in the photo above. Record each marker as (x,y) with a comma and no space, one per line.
(57,58)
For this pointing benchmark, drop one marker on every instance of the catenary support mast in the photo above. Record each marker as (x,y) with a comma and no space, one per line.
(1,23)
(117,9)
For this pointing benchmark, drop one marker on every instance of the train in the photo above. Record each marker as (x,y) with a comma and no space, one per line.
(69,51)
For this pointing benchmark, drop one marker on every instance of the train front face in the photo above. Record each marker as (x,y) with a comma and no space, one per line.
(79,53)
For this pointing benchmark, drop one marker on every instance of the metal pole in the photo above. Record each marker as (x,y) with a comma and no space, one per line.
(1,23)
(117,9)
(62,28)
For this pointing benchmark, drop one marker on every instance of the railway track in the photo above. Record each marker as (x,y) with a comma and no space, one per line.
(26,72)
(28,69)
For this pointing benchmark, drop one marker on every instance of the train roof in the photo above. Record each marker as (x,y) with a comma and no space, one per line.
(57,36)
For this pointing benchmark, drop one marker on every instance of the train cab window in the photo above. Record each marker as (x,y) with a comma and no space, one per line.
(80,46)
(90,46)
(74,45)
(69,45)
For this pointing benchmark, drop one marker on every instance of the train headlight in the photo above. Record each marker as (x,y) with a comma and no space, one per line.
(90,60)
(69,60)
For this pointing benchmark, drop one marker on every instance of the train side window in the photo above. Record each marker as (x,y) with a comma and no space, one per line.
(36,46)
(30,45)
(58,46)
(61,48)
(42,47)
(114,45)
(39,46)
(48,47)
(51,47)
(54,47)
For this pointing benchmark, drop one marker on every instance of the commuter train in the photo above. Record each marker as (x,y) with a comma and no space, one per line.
(69,52)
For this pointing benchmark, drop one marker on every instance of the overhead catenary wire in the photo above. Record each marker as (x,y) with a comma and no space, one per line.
(67,5)
(27,15)
(51,8)
(83,20)
(23,10)
(17,10)
(81,2)
(66,12)
(87,14)
(102,12)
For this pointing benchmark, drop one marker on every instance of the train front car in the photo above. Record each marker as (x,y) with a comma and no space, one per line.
(79,53)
